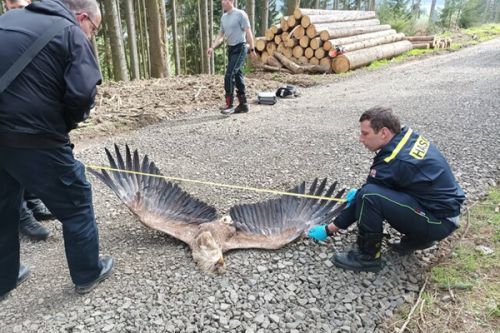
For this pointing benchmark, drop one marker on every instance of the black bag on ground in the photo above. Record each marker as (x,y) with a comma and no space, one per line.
(267,98)
(287,91)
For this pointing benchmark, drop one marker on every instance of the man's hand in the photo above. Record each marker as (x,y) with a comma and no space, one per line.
(210,51)
(350,196)
(253,54)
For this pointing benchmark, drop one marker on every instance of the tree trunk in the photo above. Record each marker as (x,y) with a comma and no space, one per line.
(132,40)
(373,42)
(336,33)
(205,35)
(299,12)
(329,44)
(298,69)
(314,29)
(157,54)
(211,35)
(420,38)
(175,38)
(341,16)
(316,4)
(431,13)
(250,10)
(164,33)
(115,36)
(265,17)
(96,53)
(291,5)
(201,42)
(363,57)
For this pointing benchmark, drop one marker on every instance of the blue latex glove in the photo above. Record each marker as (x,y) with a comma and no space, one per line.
(350,196)
(318,232)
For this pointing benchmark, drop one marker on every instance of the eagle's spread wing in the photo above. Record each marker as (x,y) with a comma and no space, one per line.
(277,222)
(158,203)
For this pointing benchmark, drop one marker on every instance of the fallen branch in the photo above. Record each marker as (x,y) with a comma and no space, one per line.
(419,299)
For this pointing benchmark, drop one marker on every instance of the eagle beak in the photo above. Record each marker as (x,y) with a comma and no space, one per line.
(220,263)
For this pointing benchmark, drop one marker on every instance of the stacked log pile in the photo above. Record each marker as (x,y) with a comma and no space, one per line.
(322,41)
(429,42)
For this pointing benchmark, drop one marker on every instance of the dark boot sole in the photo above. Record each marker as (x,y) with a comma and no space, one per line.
(405,252)
(84,289)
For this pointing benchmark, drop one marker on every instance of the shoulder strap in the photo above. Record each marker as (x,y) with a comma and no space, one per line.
(28,55)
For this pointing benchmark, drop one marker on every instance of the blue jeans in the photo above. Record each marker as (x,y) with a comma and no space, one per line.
(236,56)
(374,204)
(54,176)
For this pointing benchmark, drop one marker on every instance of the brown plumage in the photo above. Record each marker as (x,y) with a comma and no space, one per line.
(164,206)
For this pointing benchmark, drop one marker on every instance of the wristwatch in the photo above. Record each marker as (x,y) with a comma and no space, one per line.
(251,50)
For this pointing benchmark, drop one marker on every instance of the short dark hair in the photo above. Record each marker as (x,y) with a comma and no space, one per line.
(382,116)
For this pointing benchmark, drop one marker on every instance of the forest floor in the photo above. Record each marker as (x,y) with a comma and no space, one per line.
(125,106)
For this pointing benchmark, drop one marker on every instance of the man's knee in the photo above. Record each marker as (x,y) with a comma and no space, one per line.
(369,192)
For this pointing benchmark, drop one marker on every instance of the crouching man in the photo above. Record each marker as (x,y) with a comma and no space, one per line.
(410,185)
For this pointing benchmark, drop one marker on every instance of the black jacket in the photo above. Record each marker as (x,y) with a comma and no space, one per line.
(413,165)
(56,90)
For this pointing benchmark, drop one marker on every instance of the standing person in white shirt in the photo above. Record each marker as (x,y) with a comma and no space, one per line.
(235,26)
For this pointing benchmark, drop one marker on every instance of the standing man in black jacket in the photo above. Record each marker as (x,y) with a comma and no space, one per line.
(410,185)
(32,208)
(53,93)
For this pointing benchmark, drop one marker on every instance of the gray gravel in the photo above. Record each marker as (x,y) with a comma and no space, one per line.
(453,99)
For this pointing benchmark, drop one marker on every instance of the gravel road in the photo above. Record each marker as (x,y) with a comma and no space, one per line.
(452,99)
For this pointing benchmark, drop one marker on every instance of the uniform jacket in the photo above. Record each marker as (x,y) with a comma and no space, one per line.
(57,89)
(409,163)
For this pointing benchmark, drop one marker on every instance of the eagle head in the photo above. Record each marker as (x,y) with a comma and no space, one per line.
(207,253)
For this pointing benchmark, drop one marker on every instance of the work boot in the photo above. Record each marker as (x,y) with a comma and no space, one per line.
(228,108)
(30,227)
(407,245)
(365,258)
(22,276)
(107,263)
(39,210)
(242,106)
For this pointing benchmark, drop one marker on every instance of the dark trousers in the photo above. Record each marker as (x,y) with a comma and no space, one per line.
(374,204)
(236,56)
(54,176)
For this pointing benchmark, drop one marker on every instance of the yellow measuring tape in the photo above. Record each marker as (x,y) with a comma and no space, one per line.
(245,188)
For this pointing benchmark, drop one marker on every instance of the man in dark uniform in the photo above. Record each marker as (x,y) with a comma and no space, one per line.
(32,208)
(54,92)
(410,185)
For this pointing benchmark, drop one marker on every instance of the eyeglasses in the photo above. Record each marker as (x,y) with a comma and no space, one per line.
(95,28)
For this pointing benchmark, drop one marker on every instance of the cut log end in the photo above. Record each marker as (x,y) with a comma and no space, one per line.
(340,65)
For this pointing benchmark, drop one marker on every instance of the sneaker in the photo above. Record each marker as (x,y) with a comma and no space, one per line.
(39,210)
(30,227)
(407,245)
(107,263)
(242,108)
(228,110)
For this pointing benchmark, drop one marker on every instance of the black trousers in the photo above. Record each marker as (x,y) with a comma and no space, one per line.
(375,204)
(236,56)
(54,176)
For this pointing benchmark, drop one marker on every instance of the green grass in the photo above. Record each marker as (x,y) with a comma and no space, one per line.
(484,32)
(463,293)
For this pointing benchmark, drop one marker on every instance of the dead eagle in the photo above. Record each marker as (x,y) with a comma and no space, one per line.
(164,206)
